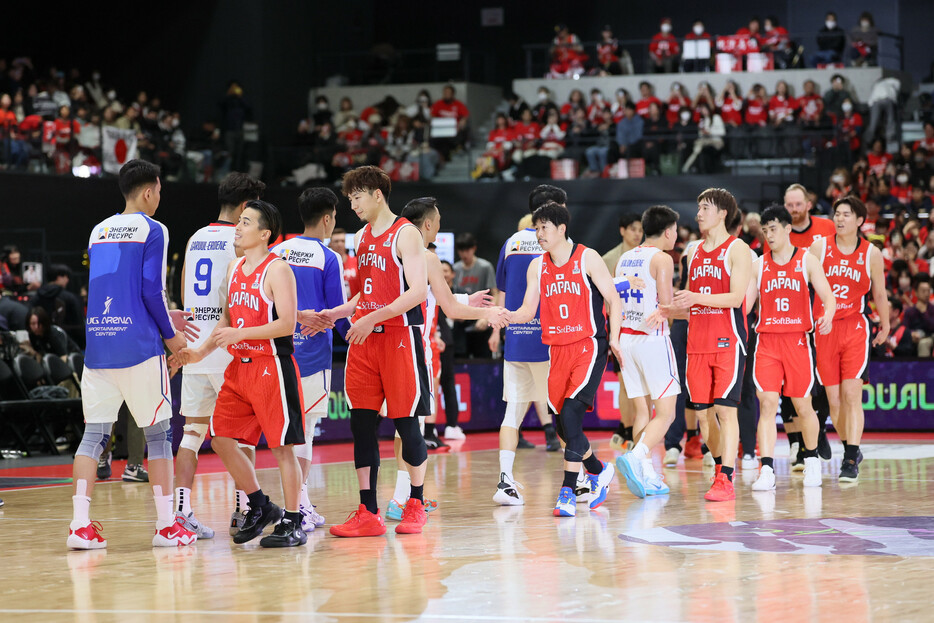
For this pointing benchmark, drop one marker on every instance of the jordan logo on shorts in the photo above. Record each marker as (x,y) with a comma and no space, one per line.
(266,371)
(859,325)
(584,352)
(800,342)
(402,343)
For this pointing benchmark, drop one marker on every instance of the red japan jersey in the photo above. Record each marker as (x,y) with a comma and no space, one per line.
(380,275)
(811,107)
(818,228)
(784,300)
(350,276)
(713,328)
(454,109)
(673,109)
(250,307)
(526,131)
(848,276)
(664,45)
(782,107)
(642,106)
(757,113)
(732,111)
(500,136)
(877,163)
(571,306)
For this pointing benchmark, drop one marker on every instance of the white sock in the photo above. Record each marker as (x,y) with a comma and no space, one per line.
(164,514)
(506,459)
(305,501)
(641,451)
(403,487)
(243,502)
(82,510)
(183,500)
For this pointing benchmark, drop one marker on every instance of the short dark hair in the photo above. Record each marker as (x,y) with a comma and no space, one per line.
(314,203)
(855,203)
(448,264)
(58,270)
(543,193)
(338,230)
(136,174)
(366,178)
(269,217)
(628,218)
(465,241)
(895,303)
(724,200)
(776,212)
(657,219)
(553,213)
(630,105)
(920,278)
(417,210)
(239,187)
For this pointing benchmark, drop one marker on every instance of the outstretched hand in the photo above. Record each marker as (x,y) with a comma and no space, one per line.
(481,298)
(181,320)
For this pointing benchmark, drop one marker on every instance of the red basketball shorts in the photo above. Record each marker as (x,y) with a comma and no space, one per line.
(784,360)
(261,395)
(575,371)
(389,366)
(844,352)
(715,378)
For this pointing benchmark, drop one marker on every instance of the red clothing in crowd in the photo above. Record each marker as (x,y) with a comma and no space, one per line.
(926,144)
(852,126)
(675,104)
(664,46)
(595,112)
(757,113)
(567,110)
(755,40)
(454,109)
(782,107)
(776,39)
(526,133)
(902,193)
(811,106)
(7,119)
(65,129)
(732,111)
(607,52)
(499,137)
(642,106)
(877,163)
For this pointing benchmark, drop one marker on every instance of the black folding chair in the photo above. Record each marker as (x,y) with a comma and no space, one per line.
(76,361)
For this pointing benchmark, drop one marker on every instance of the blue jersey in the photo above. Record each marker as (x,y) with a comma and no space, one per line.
(127,313)
(319,282)
(523,341)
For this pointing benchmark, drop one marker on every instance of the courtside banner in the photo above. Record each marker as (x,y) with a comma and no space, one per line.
(900,396)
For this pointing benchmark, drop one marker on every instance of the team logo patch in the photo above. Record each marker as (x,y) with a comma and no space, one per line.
(860,259)
(388,242)
(107,303)
(799,267)
(722,255)
(723,342)
(102,233)
(577,269)
(844,263)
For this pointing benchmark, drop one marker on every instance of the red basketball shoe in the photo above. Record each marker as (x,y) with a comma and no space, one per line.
(414,517)
(721,490)
(87,537)
(362,523)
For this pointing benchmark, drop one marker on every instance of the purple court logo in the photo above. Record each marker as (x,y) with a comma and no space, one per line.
(844,536)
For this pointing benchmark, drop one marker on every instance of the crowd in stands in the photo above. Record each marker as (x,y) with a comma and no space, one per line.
(668,53)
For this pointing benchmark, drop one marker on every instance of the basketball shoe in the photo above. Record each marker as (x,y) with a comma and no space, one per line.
(766,479)
(236,521)
(104,470)
(256,521)
(600,485)
(721,490)
(507,492)
(671,457)
(566,506)
(287,534)
(361,522)
(582,489)
(454,432)
(849,471)
(86,537)
(653,482)
(310,518)
(394,510)
(631,468)
(692,449)
(812,477)
(174,535)
(135,473)
(414,517)
(552,443)
(192,524)
(749,461)
(708,459)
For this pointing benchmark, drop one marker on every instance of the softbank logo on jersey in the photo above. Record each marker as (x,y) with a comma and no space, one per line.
(116,233)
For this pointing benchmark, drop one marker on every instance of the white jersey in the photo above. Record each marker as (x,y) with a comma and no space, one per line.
(638,305)
(207,256)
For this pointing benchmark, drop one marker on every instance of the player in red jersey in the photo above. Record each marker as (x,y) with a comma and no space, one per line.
(719,270)
(784,359)
(262,388)
(572,283)
(386,354)
(853,268)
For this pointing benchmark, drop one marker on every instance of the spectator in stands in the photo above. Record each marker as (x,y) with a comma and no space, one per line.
(499,146)
(344,114)
(472,274)
(525,136)
(11,272)
(551,136)
(322,113)
(850,127)
(884,195)
(709,145)
(705,94)
(776,41)
(755,123)
(14,152)
(655,139)
(12,313)
(598,154)
(629,132)
(130,119)
(618,108)
(609,53)
(42,340)
(516,106)
(730,104)
(919,318)
(575,102)
(910,248)
(900,342)
(678,98)
(234,112)
(883,103)
(810,106)
(63,307)
(596,107)
(753,33)
(833,99)
(831,39)
(864,41)
(921,171)
(901,188)
(752,232)
(878,158)
(567,54)
(684,133)
(927,143)
(421,105)
(697,64)
(647,97)
(782,109)
(450,108)
(578,136)
(664,51)
(840,185)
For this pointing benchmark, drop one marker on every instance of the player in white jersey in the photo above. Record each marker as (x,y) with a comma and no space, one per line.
(204,280)
(649,369)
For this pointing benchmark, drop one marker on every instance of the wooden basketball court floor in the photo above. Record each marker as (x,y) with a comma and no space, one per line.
(854,553)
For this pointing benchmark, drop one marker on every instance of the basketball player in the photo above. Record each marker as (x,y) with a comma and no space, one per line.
(125,360)
(719,270)
(208,254)
(386,354)
(572,283)
(262,393)
(649,369)
(525,356)
(853,268)
(319,285)
(783,362)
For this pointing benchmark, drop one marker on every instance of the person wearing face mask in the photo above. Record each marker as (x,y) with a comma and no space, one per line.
(776,41)
(850,127)
(664,50)
(901,189)
(543,105)
(322,113)
(831,39)
(864,38)
(421,105)
(697,33)
(684,133)
(677,100)
(596,107)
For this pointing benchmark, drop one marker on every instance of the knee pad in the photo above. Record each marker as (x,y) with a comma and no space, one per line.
(193,437)
(303,451)
(363,425)
(511,418)
(95,438)
(414,451)
(572,414)
(159,440)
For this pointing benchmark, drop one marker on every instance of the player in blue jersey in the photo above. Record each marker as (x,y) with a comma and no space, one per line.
(320,284)
(525,368)
(204,280)
(127,322)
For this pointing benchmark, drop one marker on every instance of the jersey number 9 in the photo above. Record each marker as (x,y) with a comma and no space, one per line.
(203,276)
